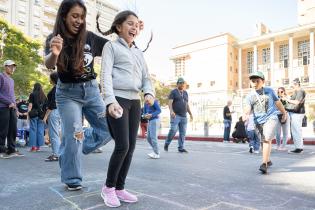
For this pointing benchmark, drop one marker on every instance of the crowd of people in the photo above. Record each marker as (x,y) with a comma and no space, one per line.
(267,115)
(113,107)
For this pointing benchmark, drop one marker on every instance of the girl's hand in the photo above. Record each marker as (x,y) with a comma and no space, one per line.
(115,110)
(56,44)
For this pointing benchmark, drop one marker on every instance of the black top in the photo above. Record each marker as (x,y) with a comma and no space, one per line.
(51,103)
(22,108)
(226,111)
(93,47)
(240,131)
(299,95)
(180,101)
(36,104)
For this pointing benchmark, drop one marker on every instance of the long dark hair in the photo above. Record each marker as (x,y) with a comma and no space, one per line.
(282,89)
(119,19)
(78,47)
(38,94)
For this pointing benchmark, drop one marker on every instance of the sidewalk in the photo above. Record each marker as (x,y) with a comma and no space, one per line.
(216,138)
(212,176)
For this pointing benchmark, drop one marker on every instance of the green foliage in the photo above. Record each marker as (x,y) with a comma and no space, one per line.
(26,54)
(162,92)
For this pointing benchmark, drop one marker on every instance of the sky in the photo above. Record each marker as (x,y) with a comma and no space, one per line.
(175,22)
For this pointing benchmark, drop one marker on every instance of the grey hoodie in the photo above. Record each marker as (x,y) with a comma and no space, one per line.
(124,72)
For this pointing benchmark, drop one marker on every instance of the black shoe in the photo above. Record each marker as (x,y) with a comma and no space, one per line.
(263,168)
(269,163)
(182,151)
(74,187)
(296,151)
(52,158)
(251,150)
(166,147)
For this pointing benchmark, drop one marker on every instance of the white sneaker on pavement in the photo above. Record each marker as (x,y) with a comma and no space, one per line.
(153,155)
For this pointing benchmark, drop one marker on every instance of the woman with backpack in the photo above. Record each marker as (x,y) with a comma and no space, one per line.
(37,102)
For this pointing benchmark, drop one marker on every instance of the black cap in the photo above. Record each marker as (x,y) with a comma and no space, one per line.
(297,81)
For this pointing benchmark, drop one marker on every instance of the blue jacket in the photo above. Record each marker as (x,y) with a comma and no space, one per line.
(155,109)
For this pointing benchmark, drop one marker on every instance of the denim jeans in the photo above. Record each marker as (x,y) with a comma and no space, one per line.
(37,128)
(296,129)
(180,123)
(152,135)
(73,100)
(253,140)
(54,130)
(285,132)
(227,129)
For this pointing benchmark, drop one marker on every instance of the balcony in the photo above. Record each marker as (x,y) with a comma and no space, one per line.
(285,82)
(49,21)
(50,10)
(305,80)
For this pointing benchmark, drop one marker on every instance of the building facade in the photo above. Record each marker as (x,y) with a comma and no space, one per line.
(210,69)
(36,18)
(217,68)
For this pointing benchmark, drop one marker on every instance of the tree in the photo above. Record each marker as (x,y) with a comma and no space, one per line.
(26,54)
(162,92)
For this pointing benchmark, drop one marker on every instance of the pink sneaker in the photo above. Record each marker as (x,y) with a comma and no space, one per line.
(125,196)
(109,196)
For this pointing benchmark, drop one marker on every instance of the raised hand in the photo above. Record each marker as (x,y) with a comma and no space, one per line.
(56,44)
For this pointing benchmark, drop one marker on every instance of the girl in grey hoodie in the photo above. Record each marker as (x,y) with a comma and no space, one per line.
(124,75)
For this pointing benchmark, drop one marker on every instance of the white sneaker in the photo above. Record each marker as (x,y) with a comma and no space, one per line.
(153,155)
(256,151)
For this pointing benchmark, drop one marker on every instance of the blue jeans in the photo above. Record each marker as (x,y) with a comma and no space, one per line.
(227,129)
(37,128)
(296,129)
(152,134)
(285,132)
(180,123)
(73,100)
(254,140)
(53,130)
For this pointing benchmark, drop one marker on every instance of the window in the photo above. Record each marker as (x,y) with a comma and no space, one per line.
(284,55)
(266,55)
(303,52)
(36,12)
(212,83)
(199,84)
(21,23)
(249,61)
(22,8)
(236,70)
(230,68)
(179,67)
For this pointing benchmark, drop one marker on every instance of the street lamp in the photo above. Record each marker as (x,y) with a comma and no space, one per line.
(3,37)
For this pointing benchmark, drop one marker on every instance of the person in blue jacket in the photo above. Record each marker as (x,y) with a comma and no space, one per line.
(151,112)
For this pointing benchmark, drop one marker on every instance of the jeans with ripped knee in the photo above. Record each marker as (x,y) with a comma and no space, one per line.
(75,100)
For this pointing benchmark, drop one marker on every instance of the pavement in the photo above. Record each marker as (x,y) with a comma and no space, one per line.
(211,176)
